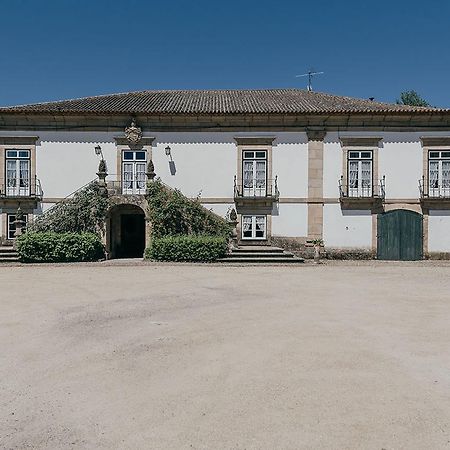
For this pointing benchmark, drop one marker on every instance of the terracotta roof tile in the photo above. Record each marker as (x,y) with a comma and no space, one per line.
(264,101)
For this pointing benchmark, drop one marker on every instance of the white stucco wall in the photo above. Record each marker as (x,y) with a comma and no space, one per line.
(291,220)
(346,229)
(219,208)
(400,159)
(290,164)
(439,231)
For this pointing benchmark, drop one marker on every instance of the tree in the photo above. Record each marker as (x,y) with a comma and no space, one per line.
(411,98)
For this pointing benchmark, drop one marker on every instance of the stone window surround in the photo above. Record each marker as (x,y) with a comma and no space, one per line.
(429,144)
(19,143)
(254,143)
(371,143)
(122,143)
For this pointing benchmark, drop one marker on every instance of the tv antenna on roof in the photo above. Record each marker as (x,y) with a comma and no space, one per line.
(310,74)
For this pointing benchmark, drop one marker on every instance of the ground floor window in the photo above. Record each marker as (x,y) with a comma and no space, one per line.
(12,225)
(253,227)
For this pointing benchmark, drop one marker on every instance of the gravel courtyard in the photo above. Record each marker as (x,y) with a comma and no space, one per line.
(338,356)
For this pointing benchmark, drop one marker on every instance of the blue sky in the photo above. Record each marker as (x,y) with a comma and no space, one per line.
(73,48)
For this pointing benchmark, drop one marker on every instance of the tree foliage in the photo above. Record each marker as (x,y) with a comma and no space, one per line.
(412,98)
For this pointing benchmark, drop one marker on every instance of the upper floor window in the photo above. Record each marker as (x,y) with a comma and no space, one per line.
(17,172)
(133,171)
(360,173)
(439,172)
(254,171)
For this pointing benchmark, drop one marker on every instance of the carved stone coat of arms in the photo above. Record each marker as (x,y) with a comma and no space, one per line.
(133,133)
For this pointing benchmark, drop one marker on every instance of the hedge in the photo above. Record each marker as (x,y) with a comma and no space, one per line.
(59,247)
(187,248)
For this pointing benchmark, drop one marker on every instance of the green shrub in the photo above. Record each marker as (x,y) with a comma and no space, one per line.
(187,248)
(85,212)
(171,213)
(59,247)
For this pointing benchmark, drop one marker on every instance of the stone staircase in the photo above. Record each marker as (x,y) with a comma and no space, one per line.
(8,254)
(252,254)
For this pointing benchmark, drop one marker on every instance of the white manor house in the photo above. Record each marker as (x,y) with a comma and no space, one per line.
(295,165)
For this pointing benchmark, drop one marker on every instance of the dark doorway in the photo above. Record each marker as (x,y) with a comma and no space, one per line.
(127,232)
(400,235)
(132,242)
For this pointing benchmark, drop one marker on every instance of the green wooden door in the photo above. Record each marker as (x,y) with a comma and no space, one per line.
(400,235)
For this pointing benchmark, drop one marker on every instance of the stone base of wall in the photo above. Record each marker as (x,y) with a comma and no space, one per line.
(438,255)
(300,246)
(349,253)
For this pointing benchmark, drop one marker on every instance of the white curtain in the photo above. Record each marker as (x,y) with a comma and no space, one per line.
(353,174)
(140,175)
(446,174)
(11,173)
(24,174)
(247,223)
(366,174)
(261,174)
(434,174)
(128,175)
(260,226)
(248,174)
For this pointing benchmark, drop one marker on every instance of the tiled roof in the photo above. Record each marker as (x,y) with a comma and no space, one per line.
(263,101)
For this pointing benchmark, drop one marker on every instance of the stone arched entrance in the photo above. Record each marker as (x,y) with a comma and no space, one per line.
(126,231)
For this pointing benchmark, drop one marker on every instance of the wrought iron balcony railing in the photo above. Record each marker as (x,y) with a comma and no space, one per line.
(20,188)
(434,190)
(256,189)
(358,190)
(130,187)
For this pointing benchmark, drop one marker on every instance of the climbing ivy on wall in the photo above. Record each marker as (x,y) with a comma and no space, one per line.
(171,214)
(85,212)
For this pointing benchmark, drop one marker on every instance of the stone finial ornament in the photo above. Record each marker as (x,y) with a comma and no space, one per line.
(233,215)
(150,170)
(133,133)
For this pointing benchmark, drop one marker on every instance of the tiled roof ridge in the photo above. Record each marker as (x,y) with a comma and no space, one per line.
(218,101)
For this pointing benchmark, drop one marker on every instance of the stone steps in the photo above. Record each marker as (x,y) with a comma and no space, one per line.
(260,255)
(8,254)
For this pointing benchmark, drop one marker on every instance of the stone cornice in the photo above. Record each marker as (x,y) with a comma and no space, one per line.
(367,141)
(316,135)
(145,141)
(18,140)
(435,141)
(254,140)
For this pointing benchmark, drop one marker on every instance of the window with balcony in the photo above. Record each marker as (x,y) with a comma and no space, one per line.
(17,173)
(134,165)
(439,173)
(254,173)
(360,173)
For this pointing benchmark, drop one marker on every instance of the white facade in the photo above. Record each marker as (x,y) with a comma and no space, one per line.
(204,164)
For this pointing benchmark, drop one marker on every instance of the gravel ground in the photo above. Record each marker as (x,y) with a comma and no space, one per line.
(179,356)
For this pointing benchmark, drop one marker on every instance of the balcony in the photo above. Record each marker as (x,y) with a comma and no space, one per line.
(256,192)
(132,187)
(434,195)
(359,196)
(15,190)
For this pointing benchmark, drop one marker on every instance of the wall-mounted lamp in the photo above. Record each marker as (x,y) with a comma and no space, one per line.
(168,151)
(98,151)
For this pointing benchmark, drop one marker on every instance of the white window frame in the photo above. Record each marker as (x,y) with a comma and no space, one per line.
(254,219)
(10,218)
(254,185)
(360,186)
(20,158)
(437,185)
(134,181)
